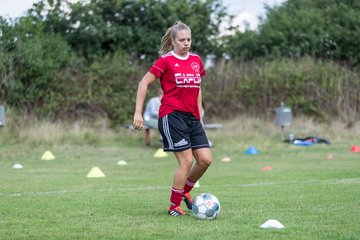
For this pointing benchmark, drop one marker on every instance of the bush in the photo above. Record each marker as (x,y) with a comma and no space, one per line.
(312,87)
(31,68)
(105,89)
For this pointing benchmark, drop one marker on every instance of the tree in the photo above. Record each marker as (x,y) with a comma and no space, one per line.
(41,74)
(98,27)
(325,29)
(29,60)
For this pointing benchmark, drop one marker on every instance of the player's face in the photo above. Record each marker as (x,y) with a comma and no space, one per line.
(182,42)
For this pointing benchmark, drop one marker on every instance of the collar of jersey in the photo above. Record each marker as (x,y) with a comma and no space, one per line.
(180,57)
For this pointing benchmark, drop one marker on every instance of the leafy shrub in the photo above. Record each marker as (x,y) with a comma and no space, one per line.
(312,87)
(105,89)
(32,67)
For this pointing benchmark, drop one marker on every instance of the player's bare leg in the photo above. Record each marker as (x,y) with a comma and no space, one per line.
(184,165)
(203,158)
(185,160)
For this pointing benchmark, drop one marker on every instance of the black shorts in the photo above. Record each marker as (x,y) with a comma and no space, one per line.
(181,131)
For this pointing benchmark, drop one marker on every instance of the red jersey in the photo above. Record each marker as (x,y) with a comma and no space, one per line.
(180,79)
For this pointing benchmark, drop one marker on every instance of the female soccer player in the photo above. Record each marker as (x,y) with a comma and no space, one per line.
(180,123)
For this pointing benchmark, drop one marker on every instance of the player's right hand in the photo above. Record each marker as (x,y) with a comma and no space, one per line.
(138,121)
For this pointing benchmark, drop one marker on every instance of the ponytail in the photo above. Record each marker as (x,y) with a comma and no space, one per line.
(170,34)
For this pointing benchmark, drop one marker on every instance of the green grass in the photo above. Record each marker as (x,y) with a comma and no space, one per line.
(313,197)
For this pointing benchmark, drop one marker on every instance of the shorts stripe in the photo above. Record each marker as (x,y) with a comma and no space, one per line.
(167,132)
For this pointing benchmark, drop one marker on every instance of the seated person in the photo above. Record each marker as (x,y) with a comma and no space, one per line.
(152,111)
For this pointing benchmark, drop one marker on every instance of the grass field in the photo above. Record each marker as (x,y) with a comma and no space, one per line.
(313,197)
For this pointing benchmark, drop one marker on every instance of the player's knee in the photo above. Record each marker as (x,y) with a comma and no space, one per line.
(186,165)
(205,162)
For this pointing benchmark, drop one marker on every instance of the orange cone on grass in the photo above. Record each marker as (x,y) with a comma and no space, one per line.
(355,148)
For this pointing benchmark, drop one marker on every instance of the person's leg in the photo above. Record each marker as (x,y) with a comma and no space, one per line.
(201,151)
(152,123)
(175,133)
(203,158)
(184,159)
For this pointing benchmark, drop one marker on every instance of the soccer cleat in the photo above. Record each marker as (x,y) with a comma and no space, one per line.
(188,200)
(177,212)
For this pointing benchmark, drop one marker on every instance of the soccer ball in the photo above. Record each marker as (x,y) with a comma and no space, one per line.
(206,206)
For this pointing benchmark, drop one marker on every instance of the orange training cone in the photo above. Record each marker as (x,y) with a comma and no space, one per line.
(355,148)
(267,168)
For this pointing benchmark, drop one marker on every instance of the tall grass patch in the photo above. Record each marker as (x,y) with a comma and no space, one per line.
(316,88)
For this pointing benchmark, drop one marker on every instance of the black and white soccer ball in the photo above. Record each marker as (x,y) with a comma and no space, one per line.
(206,206)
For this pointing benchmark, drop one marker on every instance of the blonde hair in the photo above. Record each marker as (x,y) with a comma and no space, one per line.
(170,34)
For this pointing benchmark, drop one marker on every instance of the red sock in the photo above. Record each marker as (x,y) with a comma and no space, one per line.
(188,185)
(175,198)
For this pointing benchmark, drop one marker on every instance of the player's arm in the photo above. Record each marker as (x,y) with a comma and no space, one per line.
(199,100)
(147,80)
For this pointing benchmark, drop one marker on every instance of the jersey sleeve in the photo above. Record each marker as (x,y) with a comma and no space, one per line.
(159,67)
(202,69)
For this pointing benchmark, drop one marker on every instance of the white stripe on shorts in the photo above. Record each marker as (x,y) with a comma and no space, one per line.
(167,132)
